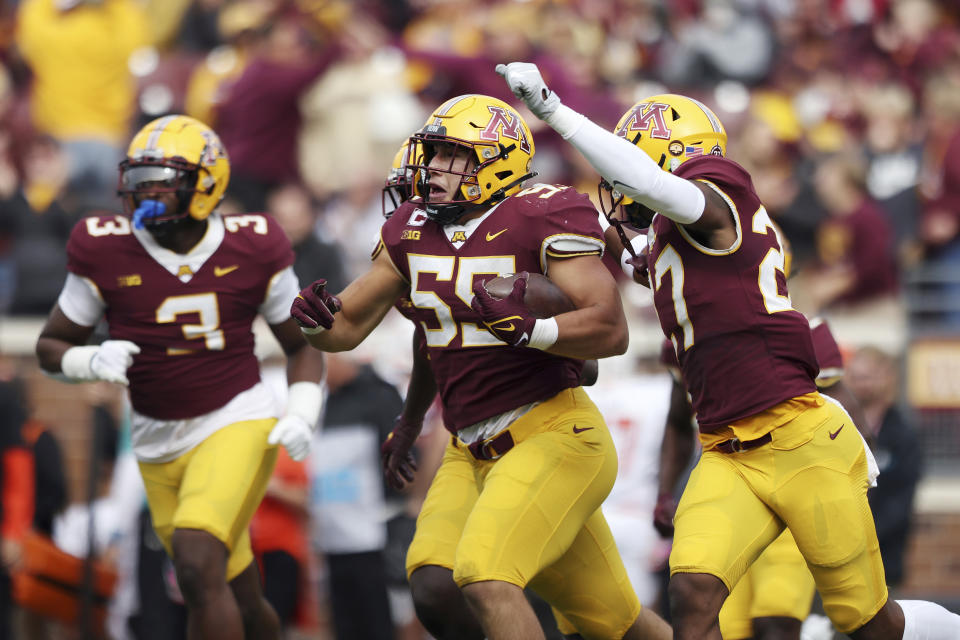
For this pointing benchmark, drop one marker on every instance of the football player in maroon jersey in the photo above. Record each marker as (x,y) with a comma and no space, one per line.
(774,597)
(180,286)
(776,453)
(526,438)
(438,601)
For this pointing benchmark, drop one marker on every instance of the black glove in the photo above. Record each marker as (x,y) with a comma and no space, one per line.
(313,309)
(663,515)
(507,318)
(398,463)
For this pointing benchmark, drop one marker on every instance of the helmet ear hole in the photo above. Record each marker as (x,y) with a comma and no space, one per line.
(502,175)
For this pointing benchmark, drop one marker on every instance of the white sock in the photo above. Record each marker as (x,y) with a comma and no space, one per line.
(924,620)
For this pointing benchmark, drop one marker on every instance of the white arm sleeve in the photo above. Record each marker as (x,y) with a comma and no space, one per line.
(283,288)
(628,169)
(80,301)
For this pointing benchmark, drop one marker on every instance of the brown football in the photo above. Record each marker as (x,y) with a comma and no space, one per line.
(543,298)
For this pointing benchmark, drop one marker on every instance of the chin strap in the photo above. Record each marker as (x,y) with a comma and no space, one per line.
(501,193)
(148,209)
(616,224)
(450,213)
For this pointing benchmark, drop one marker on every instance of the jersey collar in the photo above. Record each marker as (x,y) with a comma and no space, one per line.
(469,226)
(180,265)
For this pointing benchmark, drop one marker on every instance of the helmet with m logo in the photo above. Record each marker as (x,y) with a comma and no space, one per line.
(180,155)
(671,129)
(497,142)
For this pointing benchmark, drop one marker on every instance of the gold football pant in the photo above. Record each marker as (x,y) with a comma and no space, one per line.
(777,585)
(812,478)
(532,517)
(214,487)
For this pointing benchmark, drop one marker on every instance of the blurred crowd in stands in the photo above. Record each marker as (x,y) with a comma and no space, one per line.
(845,112)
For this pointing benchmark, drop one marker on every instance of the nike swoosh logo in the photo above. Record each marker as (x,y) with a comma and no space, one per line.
(491,236)
(222,271)
(496,324)
(576,430)
(833,436)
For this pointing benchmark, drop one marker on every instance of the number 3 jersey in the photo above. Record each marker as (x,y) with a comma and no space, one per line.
(477,375)
(191,314)
(742,348)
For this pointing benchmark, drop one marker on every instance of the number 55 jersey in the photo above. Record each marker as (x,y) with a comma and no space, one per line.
(191,315)
(741,346)
(477,375)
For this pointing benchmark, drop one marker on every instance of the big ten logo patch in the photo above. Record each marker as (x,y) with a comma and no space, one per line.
(410,234)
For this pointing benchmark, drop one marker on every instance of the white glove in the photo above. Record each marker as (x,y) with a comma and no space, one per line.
(109,361)
(295,430)
(527,84)
(294,433)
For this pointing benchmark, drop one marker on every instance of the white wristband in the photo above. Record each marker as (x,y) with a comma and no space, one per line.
(544,335)
(305,400)
(565,121)
(75,363)
(312,332)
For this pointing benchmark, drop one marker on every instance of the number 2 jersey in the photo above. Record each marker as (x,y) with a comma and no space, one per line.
(191,315)
(477,375)
(742,348)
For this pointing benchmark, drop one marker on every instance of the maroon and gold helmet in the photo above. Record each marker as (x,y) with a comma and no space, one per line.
(398,187)
(496,137)
(671,129)
(175,154)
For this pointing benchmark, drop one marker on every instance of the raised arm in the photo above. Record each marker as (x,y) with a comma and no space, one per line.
(626,167)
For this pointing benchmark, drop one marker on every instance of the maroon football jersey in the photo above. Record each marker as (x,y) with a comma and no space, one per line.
(195,337)
(405,306)
(829,357)
(477,375)
(668,355)
(740,345)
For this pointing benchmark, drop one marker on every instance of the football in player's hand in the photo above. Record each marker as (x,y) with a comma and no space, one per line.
(543,298)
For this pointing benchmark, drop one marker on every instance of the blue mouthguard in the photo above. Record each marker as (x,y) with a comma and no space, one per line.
(148,209)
